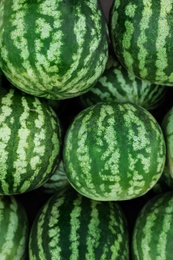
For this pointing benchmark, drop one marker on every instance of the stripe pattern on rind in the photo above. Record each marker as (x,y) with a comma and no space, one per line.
(30,142)
(72,227)
(153,230)
(14,229)
(167,128)
(41,62)
(143,41)
(118,84)
(120,151)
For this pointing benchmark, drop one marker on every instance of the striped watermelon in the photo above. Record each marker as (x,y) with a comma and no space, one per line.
(118,84)
(153,231)
(141,35)
(30,141)
(57,182)
(167,128)
(14,228)
(114,151)
(74,227)
(53,48)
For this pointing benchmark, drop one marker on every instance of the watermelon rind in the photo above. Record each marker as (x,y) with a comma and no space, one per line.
(153,230)
(30,141)
(114,151)
(51,49)
(14,227)
(72,226)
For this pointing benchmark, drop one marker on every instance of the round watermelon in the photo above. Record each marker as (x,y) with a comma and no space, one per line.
(73,227)
(114,151)
(30,141)
(53,48)
(141,34)
(152,236)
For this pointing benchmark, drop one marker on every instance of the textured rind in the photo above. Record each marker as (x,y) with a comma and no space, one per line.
(118,84)
(142,39)
(74,227)
(53,49)
(30,141)
(167,128)
(153,231)
(119,151)
(14,228)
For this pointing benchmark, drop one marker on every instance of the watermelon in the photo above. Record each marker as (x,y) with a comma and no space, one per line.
(14,228)
(57,182)
(141,36)
(71,226)
(30,141)
(118,84)
(114,151)
(54,49)
(152,236)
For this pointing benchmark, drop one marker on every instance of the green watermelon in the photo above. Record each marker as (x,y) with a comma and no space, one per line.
(14,228)
(53,48)
(30,141)
(141,35)
(114,151)
(73,227)
(118,84)
(152,236)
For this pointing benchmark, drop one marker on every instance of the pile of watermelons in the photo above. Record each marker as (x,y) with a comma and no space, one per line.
(86,130)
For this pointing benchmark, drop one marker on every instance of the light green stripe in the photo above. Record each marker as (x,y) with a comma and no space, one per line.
(164,229)
(142,39)
(13,224)
(75,225)
(163,33)
(35,236)
(147,235)
(21,158)
(5,135)
(54,229)
(54,50)
(116,247)
(83,152)
(126,44)
(111,155)
(93,238)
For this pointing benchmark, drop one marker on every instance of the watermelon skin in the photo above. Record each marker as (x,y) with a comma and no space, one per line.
(119,151)
(30,141)
(153,231)
(167,128)
(118,84)
(53,49)
(142,39)
(14,228)
(71,226)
